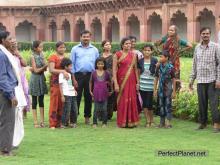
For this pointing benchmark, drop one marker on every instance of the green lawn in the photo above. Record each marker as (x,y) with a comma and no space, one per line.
(114,146)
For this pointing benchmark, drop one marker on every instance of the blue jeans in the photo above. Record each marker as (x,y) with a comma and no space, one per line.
(100,107)
(165,108)
(70,110)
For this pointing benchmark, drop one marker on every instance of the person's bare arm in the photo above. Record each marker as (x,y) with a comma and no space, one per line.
(194,71)
(114,72)
(53,70)
(34,67)
(158,43)
(75,83)
(186,48)
(155,86)
(91,86)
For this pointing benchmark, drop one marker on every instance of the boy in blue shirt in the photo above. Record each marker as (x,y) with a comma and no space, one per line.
(165,74)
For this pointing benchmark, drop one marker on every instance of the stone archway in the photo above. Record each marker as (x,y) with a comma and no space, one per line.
(80,26)
(206,19)
(133,26)
(53,31)
(113,29)
(155,27)
(96,27)
(179,19)
(66,31)
(25,31)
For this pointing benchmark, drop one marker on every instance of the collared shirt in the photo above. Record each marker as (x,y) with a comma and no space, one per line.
(166,74)
(8,80)
(83,58)
(206,68)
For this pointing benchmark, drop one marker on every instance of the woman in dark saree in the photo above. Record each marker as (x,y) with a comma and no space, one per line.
(175,46)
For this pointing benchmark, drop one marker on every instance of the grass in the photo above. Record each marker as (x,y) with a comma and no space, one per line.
(114,146)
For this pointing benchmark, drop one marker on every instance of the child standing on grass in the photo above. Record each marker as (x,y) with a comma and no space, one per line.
(147,83)
(68,95)
(37,86)
(165,74)
(99,83)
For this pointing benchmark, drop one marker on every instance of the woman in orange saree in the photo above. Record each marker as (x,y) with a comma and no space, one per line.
(126,83)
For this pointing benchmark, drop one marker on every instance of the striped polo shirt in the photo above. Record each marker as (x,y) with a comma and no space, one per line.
(146,80)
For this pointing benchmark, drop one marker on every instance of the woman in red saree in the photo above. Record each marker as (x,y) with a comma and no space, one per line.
(126,83)
(174,45)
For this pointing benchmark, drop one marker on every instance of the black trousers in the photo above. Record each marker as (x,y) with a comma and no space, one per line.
(207,93)
(83,87)
(40,100)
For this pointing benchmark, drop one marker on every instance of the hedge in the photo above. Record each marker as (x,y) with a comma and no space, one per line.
(50,46)
(186,106)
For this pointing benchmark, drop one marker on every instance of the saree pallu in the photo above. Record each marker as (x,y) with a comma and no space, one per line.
(172,46)
(127,114)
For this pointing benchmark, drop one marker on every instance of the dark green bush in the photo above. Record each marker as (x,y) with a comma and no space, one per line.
(50,46)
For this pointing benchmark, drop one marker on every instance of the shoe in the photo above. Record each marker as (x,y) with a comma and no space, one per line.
(152,124)
(148,125)
(160,126)
(94,125)
(42,125)
(202,126)
(104,126)
(72,125)
(3,153)
(36,126)
(87,122)
(62,126)
(53,128)
(168,126)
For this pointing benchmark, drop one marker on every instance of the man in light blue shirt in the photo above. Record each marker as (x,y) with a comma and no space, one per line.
(83,57)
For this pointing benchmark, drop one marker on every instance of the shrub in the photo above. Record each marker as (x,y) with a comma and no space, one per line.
(50,46)
(186,106)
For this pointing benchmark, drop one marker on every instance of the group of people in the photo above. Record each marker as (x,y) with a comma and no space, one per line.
(124,81)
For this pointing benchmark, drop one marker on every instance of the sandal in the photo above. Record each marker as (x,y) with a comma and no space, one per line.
(42,125)
(160,126)
(36,126)
(148,124)
(168,126)
(72,125)
(152,124)
(63,127)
